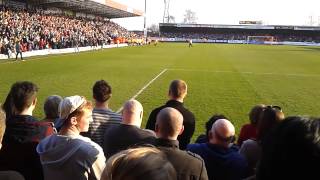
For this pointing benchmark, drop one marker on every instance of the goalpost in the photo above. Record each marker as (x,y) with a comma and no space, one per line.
(260,40)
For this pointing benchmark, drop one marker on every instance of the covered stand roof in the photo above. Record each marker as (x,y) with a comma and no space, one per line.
(106,8)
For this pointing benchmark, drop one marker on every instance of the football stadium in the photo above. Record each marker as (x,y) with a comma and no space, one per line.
(84,97)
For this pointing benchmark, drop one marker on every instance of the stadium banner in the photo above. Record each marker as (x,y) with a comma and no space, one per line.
(284,27)
(307,28)
(61,51)
(239,42)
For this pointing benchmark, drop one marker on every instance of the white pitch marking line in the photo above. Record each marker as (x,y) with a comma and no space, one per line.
(277,74)
(144,87)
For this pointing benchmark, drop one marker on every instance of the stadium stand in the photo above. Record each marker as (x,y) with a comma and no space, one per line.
(43,25)
(239,32)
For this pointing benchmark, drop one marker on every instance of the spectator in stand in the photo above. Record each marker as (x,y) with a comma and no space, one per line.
(103,117)
(222,160)
(177,93)
(6,175)
(249,131)
(188,165)
(68,155)
(204,138)
(270,117)
(128,133)
(138,164)
(51,108)
(292,151)
(23,132)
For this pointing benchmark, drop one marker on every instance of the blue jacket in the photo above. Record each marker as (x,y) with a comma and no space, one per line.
(221,163)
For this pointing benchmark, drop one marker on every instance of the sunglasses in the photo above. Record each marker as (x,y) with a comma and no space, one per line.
(278,108)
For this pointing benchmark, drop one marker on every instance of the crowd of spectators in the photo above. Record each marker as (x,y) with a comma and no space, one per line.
(239,36)
(271,146)
(37,29)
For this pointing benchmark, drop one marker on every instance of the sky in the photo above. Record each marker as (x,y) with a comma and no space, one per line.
(270,12)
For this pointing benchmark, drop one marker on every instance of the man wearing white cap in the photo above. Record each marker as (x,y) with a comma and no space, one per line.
(68,155)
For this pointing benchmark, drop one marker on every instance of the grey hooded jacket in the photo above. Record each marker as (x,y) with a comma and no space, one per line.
(71,157)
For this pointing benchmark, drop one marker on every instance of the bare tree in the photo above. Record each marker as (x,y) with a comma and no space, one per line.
(153,28)
(190,17)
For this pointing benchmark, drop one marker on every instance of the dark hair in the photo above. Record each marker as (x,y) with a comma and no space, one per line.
(255,113)
(177,88)
(292,151)
(270,117)
(20,97)
(51,107)
(211,121)
(101,91)
(139,163)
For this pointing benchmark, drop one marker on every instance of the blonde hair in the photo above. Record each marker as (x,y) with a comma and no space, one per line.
(139,163)
(2,124)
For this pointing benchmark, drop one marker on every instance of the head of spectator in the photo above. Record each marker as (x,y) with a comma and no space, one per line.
(2,125)
(75,115)
(139,163)
(211,121)
(292,151)
(101,93)
(169,124)
(270,117)
(21,100)
(222,133)
(177,90)
(51,107)
(132,113)
(255,113)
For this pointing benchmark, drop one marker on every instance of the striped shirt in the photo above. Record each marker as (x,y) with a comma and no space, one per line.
(102,119)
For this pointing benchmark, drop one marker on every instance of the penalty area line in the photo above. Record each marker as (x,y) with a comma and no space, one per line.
(144,87)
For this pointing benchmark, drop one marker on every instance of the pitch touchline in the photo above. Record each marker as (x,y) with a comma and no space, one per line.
(144,87)
(277,74)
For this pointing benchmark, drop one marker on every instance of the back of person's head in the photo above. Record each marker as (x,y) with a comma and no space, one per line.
(169,123)
(101,91)
(139,163)
(292,151)
(21,96)
(132,113)
(73,107)
(222,133)
(255,113)
(51,107)
(270,117)
(178,89)
(2,125)
(211,121)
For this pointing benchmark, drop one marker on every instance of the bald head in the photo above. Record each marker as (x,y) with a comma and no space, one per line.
(169,123)
(132,113)
(178,89)
(222,132)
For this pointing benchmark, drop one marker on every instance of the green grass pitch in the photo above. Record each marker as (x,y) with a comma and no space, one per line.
(227,79)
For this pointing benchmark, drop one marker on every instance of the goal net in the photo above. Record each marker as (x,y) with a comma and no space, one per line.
(260,40)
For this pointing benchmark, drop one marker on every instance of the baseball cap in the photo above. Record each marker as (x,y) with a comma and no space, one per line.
(68,105)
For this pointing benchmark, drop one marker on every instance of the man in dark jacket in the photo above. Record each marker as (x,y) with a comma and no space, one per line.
(23,132)
(122,136)
(222,159)
(169,125)
(177,93)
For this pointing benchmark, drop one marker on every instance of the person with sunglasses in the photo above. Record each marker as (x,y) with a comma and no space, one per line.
(270,117)
(222,160)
